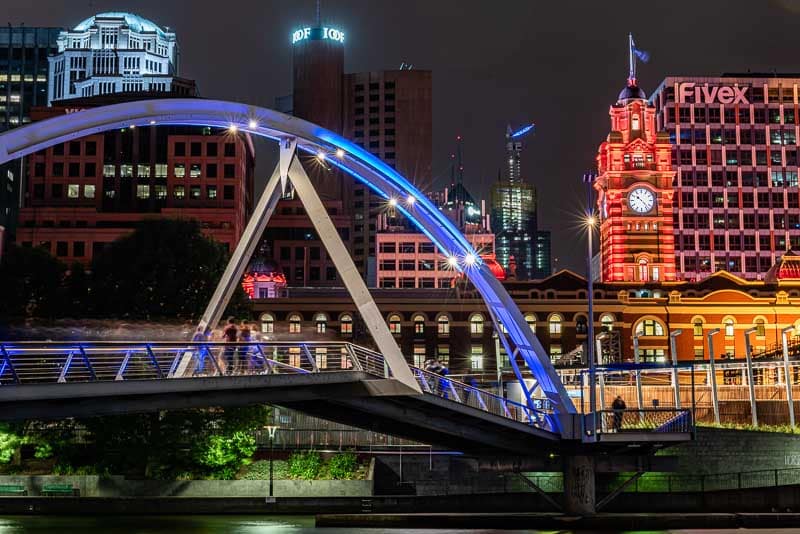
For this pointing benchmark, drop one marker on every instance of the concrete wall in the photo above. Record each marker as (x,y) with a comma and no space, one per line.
(118,486)
(727,451)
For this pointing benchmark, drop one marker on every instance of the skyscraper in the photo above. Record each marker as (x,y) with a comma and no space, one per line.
(514,213)
(389,113)
(23,84)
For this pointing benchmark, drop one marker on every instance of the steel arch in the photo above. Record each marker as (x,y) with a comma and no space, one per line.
(351,158)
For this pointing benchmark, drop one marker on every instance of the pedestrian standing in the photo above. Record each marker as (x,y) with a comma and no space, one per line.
(229,335)
(245,336)
(619,408)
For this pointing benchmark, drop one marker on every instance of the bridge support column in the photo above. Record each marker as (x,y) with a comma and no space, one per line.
(579,485)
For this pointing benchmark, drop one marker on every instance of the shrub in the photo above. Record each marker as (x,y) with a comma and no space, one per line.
(343,466)
(224,454)
(305,465)
(260,470)
(9,443)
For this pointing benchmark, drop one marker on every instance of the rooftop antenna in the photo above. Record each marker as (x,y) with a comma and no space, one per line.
(318,12)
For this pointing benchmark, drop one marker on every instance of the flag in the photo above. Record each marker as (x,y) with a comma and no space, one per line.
(641,54)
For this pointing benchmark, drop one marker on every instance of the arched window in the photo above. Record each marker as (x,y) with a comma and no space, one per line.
(419,323)
(443,325)
(728,325)
(761,327)
(581,326)
(476,324)
(554,324)
(346,324)
(267,323)
(531,320)
(635,122)
(643,271)
(649,327)
(607,322)
(697,328)
(294,323)
(394,324)
(321,320)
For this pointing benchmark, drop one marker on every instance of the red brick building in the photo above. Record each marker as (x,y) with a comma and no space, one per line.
(82,195)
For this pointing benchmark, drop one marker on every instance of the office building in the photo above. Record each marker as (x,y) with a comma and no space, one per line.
(81,195)
(23,84)
(115,52)
(735,150)
(388,113)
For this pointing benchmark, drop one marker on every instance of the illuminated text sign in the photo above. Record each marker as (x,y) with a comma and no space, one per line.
(689,92)
(318,33)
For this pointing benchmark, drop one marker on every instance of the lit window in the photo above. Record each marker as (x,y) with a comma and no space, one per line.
(728,327)
(142,191)
(294,356)
(321,321)
(635,122)
(88,191)
(108,171)
(649,327)
(476,324)
(346,324)
(476,357)
(126,171)
(443,354)
(643,271)
(419,355)
(443,325)
(761,328)
(555,324)
(607,322)
(698,328)
(161,170)
(73,191)
(321,356)
(394,324)
(180,170)
(143,171)
(419,324)
(267,323)
(194,170)
(294,323)
(531,320)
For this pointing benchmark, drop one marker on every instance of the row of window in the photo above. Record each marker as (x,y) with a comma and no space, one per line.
(762,199)
(728,327)
(476,322)
(733,136)
(723,262)
(196,149)
(736,243)
(407,248)
(732,156)
(745,115)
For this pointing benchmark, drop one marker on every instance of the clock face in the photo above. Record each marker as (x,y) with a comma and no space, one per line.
(641,200)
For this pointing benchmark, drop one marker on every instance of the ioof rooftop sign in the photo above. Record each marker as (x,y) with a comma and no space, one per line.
(317,34)
(690,92)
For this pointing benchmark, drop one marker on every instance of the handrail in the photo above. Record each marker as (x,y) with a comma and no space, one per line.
(52,362)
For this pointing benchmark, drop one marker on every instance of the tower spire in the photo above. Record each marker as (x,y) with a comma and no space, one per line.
(318,12)
(631,60)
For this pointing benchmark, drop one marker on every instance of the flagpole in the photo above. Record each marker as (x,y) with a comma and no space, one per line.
(631,60)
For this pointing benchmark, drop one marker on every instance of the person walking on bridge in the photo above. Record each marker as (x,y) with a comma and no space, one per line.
(619,408)
(230,336)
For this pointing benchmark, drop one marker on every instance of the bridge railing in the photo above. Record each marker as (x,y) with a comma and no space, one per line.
(651,420)
(60,362)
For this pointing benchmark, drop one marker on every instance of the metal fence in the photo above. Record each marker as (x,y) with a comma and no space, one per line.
(649,420)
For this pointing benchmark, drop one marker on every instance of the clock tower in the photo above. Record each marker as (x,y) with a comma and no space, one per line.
(634,194)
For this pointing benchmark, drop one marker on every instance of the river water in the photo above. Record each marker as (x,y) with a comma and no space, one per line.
(233,525)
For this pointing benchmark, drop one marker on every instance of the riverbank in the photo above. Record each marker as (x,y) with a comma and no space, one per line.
(538,521)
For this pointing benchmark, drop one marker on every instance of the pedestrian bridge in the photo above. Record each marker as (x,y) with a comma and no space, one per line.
(338,381)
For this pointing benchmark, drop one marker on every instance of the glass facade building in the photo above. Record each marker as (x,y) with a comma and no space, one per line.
(735,150)
(23,84)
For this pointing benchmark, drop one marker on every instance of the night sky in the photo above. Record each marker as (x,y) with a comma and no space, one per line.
(560,64)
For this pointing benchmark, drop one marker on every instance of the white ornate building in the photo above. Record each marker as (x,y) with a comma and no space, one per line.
(113,52)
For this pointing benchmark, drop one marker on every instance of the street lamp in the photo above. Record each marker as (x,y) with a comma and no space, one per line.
(713,373)
(590,221)
(748,352)
(272,430)
(676,388)
(787,377)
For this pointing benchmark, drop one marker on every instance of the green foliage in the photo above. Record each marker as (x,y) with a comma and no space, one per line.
(224,455)
(343,466)
(780,429)
(32,281)
(9,443)
(43,451)
(260,470)
(305,465)
(165,268)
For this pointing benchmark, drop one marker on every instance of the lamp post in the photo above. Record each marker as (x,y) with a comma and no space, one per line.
(272,430)
(713,373)
(676,388)
(787,377)
(748,352)
(588,179)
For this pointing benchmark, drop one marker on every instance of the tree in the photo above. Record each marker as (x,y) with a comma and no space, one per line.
(32,283)
(165,268)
